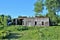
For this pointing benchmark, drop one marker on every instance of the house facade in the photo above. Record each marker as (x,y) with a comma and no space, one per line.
(31,21)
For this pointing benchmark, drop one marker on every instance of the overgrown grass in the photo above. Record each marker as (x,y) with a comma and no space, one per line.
(43,33)
(36,33)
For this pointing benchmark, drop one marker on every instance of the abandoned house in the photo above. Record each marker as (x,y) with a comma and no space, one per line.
(31,21)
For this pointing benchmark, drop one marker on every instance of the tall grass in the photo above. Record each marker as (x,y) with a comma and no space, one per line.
(35,33)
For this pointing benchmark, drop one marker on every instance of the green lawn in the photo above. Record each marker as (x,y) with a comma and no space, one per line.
(34,33)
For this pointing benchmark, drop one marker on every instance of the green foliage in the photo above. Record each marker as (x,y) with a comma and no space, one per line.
(52,6)
(53,18)
(16,28)
(3,34)
(38,7)
(21,28)
(33,33)
(3,27)
(58,18)
(41,33)
(3,20)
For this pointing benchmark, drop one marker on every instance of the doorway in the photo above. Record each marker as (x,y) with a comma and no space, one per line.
(20,22)
(35,23)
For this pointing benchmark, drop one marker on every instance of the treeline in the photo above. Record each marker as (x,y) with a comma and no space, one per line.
(54,19)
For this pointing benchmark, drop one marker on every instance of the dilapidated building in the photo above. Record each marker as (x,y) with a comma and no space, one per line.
(31,21)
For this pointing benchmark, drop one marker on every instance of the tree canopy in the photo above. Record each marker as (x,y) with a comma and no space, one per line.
(53,6)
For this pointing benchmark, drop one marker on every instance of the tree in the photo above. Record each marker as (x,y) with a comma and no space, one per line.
(3,20)
(9,20)
(53,18)
(58,18)
(38,7)
(52,6)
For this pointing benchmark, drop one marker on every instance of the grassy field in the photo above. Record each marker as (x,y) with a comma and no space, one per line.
(33,33)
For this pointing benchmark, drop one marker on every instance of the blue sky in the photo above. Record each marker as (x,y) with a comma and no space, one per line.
(16,8)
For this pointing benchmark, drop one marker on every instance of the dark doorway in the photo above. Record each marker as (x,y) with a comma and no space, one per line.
(35,23)
(42,23)
(20,21)
(14,22)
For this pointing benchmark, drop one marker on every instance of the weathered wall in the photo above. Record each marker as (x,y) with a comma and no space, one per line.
(40,20)
(31,21)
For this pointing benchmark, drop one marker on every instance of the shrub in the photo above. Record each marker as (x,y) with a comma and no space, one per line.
(22,28)
(1,27)
(4,34)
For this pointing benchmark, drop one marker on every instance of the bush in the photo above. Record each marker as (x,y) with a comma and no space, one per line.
(4,34)
(22,28)
(1,27)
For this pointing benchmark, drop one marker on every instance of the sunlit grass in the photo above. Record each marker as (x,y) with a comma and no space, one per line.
(35,33)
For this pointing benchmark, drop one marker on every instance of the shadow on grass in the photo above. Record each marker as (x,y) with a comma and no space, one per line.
(13,36)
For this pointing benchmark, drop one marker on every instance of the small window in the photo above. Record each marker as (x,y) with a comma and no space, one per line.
(35,23)
(42,23)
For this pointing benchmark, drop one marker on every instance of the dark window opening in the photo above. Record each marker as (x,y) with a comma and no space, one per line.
(42,23)
(35,23)
(13,22)
(20,21)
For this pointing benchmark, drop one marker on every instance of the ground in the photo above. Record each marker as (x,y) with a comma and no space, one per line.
(34,33)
